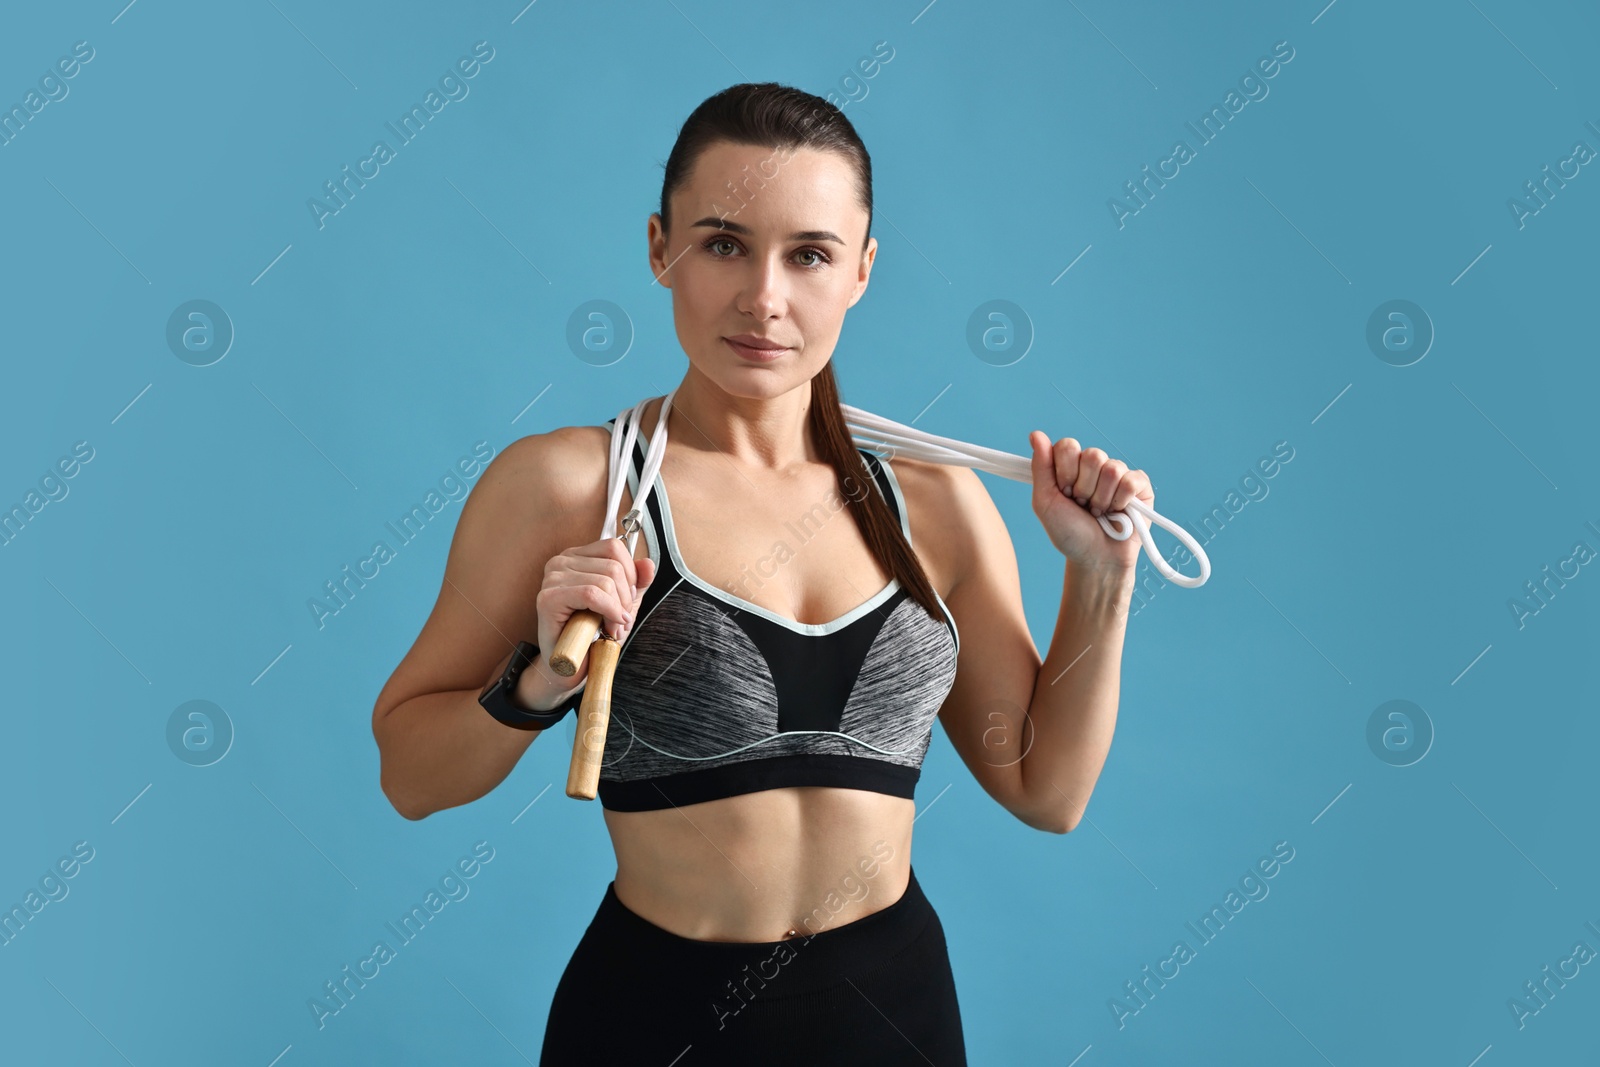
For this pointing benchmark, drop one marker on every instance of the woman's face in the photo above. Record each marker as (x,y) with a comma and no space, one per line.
(765,243)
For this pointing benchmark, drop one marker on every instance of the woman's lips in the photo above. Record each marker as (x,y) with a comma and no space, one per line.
(755,355)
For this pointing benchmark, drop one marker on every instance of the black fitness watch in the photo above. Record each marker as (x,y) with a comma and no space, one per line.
(499,696)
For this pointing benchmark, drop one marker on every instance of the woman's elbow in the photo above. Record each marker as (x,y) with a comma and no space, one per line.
(1063,825)
(401,803)
(409,814)
(393,790)
(1056,822)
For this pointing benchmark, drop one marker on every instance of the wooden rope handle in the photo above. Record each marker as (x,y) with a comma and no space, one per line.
(573,644)
(594,718)
(577,640)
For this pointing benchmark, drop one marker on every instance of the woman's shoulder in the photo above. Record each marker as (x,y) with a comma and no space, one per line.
(933,491)
(559,471)
(944,504)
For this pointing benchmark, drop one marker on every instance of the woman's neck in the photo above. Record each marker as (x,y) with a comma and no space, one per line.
(765,433)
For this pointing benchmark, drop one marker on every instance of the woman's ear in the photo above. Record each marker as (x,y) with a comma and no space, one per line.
(656,250)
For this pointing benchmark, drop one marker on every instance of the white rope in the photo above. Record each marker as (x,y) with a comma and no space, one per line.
(893,438)
(870,429)
(623,434)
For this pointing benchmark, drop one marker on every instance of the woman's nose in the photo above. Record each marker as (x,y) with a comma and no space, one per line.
(766,289)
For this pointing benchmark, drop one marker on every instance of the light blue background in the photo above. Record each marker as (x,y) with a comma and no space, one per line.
(1227,315)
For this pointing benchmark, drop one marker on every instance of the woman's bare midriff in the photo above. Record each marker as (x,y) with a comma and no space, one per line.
(783,862)
(764,866)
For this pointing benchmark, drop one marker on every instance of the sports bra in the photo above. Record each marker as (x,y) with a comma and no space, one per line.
(715,696)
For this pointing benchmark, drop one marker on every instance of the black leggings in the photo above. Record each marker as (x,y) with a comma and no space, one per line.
(877,991)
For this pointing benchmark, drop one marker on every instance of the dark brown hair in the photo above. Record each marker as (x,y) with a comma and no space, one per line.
(770,115)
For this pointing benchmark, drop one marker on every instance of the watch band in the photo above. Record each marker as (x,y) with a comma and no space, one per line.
(498,697)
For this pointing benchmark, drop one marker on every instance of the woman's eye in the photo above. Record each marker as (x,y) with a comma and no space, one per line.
(818,261)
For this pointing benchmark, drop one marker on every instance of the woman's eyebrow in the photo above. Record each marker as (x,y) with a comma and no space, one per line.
(736,227)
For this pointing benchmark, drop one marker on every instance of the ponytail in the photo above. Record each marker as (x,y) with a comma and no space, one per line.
(883,533)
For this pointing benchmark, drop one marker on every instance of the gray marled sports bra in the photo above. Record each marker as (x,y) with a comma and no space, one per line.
(714,696)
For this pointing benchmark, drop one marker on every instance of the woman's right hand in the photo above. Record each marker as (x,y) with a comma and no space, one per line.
(600,577)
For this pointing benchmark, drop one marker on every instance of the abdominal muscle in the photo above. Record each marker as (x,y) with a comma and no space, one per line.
(764,866)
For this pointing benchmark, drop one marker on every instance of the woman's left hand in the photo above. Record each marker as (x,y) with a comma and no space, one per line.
(1072,486)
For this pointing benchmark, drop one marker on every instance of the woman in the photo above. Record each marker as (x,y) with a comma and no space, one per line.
(771,710)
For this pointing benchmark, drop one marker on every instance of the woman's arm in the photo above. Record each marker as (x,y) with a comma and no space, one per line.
(438,748)
(1074,708)
(1034,734)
